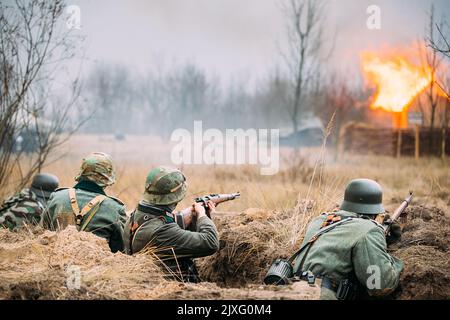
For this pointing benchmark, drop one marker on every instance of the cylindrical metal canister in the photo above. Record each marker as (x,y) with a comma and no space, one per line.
(279,272)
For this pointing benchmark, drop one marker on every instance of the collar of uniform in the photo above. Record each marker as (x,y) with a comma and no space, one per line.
(89,186)
(156,210)
(345,214)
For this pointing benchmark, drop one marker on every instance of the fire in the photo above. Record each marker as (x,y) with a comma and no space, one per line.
(397,80)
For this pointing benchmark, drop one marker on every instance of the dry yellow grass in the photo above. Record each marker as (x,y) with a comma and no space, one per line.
(429,178)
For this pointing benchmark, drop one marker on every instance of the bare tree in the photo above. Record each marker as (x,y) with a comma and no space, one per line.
(175,98)
(441,45)
(31,49)
(304,23)
(111,92)
(433,62)
(156,99)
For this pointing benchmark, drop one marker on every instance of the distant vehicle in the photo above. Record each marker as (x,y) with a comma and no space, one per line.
(27,140)
(119,136)
(310,134)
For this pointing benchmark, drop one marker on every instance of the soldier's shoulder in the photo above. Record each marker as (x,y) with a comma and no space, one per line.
(21,196)
(320,218)
(161,224)
(155,226)
(367,228)
(59,192)
(367,223)
(377,224)
(116,201)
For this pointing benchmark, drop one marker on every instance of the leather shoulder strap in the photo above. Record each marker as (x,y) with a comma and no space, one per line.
(98,199)
(93,204)
(73,202)
(317,235)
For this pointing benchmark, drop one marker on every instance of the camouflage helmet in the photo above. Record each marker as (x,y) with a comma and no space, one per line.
(44,184)
(97,167)
(363,196)
(164,186)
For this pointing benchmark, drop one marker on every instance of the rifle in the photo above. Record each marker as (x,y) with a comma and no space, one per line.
(217,198)
(399,211)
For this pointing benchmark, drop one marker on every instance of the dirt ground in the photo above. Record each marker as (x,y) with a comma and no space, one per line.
(38,264)
(424,250)
(248,246)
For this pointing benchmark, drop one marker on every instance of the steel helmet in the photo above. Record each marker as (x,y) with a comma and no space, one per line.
(363,196)
(44,184)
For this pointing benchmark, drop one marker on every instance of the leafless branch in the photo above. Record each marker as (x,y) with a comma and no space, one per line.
(32,48)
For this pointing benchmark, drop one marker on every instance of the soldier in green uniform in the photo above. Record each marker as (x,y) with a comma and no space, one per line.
(351,257)
(87,206)
(27,206)
(174,237)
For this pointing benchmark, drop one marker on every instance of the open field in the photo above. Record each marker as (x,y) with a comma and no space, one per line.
(268,221)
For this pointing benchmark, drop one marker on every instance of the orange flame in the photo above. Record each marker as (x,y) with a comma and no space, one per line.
(397,80)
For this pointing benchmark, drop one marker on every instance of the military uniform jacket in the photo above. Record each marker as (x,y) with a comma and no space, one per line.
(357,247)
(107,222)
(23,207)
(169,238)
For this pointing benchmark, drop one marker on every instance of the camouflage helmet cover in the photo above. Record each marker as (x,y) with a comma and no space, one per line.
(165,186)
(97,167)
(363,196)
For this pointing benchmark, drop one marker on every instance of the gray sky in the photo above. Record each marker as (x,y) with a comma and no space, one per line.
(235,37)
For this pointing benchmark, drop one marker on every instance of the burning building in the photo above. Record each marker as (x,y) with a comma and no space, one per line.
(405,99)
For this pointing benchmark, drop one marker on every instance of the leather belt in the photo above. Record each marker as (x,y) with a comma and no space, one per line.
(329,284)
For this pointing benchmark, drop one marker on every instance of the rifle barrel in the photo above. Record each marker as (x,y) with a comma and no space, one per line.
(402,207)
(399,210)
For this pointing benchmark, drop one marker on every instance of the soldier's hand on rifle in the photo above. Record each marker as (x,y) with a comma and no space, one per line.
(210,209)
(395,231)
(199,210)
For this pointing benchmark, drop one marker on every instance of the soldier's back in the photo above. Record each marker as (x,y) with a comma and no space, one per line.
(144,236)
(19,209)
(107,222)
(347,251)
(331,253)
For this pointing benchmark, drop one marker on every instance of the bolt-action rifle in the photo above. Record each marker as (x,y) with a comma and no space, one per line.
(217,198)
